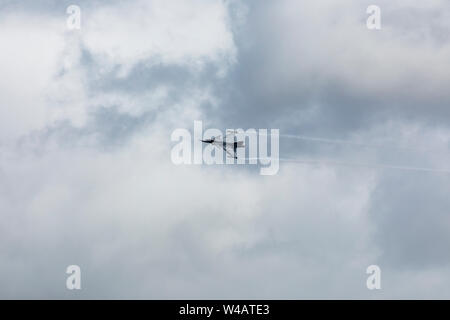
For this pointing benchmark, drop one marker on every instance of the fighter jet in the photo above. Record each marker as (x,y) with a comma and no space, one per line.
(229,147)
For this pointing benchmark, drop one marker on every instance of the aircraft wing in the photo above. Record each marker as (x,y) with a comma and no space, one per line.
(224,138)
(228,147)
(231,152)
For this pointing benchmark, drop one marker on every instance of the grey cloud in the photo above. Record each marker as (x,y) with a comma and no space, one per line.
(290,62)
(411,215)
(105,195)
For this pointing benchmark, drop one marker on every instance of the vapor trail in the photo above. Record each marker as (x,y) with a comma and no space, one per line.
(348,142)
(356,164)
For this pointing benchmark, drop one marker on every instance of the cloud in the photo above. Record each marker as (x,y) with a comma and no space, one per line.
(85,171)
(62,80)
(140,227)
(320,60)
(28,67)
(166,32)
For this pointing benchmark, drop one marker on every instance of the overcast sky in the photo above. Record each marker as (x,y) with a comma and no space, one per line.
(86,176)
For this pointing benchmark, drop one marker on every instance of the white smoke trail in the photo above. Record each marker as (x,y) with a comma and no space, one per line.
(356,164)
(331,141)
(351,143)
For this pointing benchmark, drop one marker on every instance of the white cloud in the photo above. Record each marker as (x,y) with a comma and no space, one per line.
(141,227)
(188,33)
(28,60)
(313,44)
(44,79)
(157,225)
